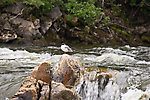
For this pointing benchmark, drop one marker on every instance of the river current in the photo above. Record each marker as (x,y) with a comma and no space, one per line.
(131,65)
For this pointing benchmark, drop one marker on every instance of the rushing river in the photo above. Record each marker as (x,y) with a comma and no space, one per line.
(131,65)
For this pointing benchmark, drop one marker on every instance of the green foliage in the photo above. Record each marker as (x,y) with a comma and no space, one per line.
(7,2)
(39,7)
(85,11)
(36,3)
(133,3)
(143,6)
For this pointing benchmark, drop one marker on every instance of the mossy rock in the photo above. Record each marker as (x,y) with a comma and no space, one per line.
(145,38)
(51,37)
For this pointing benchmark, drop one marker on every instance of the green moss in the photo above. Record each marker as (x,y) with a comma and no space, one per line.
(125,33)
(19,38)
(5,3)
(43,40)
(145,38)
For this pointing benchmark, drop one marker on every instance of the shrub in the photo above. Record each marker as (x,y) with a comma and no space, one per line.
(39,7)
(85,11)
(4,3)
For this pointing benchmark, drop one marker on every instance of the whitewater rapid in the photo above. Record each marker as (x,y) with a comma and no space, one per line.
(131,65)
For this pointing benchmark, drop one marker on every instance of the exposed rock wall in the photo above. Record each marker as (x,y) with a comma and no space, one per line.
(19,26)
(15,26)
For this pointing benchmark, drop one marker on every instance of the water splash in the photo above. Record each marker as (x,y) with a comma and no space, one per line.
(132,79)
(98,84)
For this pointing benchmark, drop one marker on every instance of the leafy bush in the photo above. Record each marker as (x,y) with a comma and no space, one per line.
(39,7)
(84,10)
(4,3)
(142,6)
(36,3)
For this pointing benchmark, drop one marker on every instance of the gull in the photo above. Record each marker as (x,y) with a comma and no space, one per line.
(65,48)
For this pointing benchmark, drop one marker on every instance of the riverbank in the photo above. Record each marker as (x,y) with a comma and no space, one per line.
(19,26)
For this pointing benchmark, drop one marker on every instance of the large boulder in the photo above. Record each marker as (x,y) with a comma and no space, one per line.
(39,87)
(67,70)
(66,81)
(7,32)
(26,29)
(42,72)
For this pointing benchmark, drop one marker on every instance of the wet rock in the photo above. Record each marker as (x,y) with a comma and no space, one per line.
(60,92)
(23,42)
(67,70)
(36,87)
(42,72)
(103,79)
(27,91)
(96,83)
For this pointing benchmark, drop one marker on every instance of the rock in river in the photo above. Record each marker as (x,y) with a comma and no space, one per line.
(67,70)
(37,87)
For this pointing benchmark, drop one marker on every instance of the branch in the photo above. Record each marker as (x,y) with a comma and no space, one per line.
(103,3)
(17,15)
(146,4)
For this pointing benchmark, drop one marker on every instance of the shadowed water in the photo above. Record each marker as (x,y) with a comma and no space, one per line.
(129,66)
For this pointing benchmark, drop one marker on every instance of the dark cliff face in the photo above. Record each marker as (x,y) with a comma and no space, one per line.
(17,26)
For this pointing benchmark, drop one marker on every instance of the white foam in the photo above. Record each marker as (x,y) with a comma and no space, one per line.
(135,94)
(23,56)
(114,58)
(143,62)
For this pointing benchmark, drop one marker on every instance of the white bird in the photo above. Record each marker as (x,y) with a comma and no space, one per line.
(65,48)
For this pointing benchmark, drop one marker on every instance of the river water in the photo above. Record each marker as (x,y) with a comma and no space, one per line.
(131,66)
